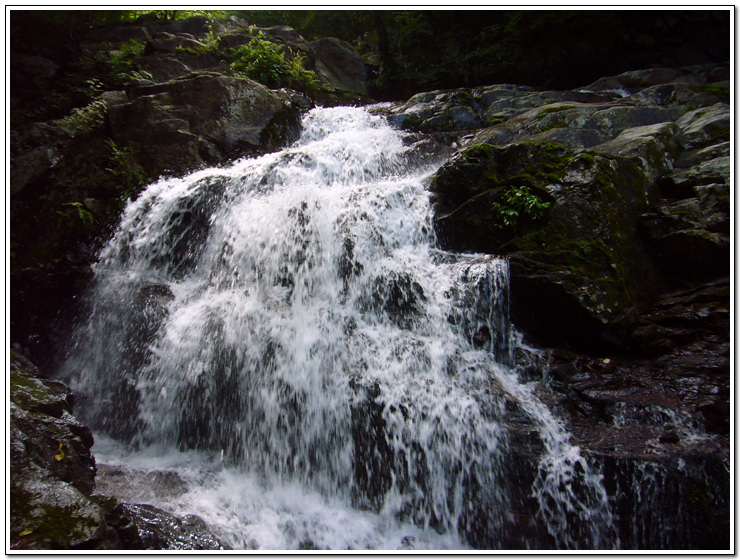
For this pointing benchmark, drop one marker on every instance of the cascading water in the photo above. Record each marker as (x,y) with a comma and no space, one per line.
(284,335)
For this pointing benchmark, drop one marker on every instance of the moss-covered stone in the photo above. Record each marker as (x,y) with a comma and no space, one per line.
(585,246)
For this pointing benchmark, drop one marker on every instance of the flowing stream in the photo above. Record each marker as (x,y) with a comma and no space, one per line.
(285,337)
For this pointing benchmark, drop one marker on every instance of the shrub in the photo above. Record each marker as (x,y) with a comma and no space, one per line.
(126,172)
(266,62)
(517,205)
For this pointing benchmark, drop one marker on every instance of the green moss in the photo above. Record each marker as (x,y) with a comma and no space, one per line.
(713,89)
(477,151)
(496,118)
(464,97)
(549,110)
(585,158)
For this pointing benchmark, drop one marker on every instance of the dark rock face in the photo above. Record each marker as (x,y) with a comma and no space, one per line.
(159,530)
(340,65)
(53,502)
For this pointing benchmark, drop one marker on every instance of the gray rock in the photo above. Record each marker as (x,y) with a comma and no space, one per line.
(169,43)
(705,126)
(103,38)
(652,148)
(161,530)
(338,64)
(32,165)
(690,158)
(51,470)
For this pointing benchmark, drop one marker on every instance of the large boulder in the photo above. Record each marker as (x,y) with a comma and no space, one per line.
(340,65)
(567,222)
(202,118)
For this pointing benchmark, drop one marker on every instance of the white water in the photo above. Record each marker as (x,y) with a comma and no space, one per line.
(284,335)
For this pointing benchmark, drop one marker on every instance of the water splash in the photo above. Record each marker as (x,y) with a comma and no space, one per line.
(291,314)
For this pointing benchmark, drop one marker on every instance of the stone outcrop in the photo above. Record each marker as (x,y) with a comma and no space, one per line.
(54,504)
(201,118)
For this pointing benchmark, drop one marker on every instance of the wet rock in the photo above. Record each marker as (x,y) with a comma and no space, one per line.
(54,502)
(373,456)
(133,485)
(569,256)
(684,502)
(603,242)
(160,530)
(51,470)
(438,111)
(398,294)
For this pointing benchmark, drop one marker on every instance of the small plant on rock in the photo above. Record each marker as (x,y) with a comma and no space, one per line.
(126,172)
(516,206)
(85,119)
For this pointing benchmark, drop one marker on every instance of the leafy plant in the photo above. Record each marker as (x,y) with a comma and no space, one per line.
(112,67)
(86,218)
(84,120)
(122,58)
(127,173)
(267,63)
(127,78)
(262,61)
(517,205)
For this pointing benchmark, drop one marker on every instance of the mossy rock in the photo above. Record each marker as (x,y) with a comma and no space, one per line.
(583,255)
(51,468)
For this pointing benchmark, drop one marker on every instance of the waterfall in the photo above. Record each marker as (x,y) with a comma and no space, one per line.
(284,335)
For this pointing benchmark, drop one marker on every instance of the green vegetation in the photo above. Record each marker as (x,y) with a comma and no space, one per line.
(112,68)
(713,89)
(125,172)
(549,110)
(517,206)
(83,213)
(85,119)
(270,64)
